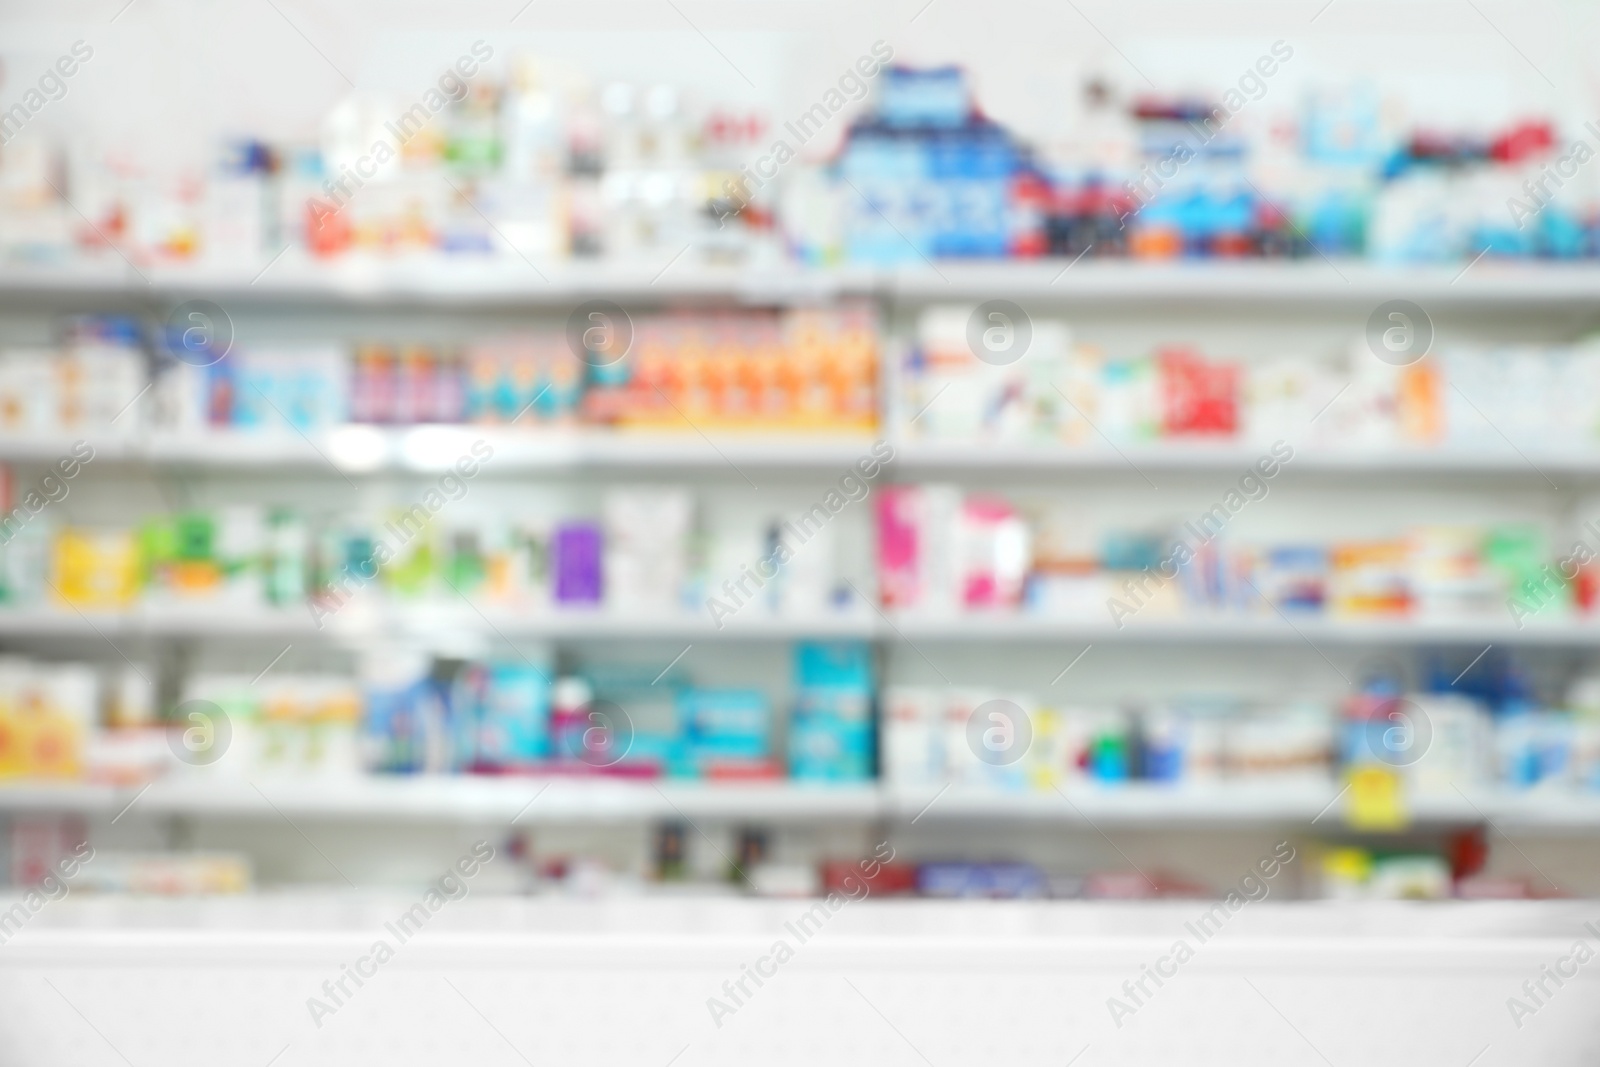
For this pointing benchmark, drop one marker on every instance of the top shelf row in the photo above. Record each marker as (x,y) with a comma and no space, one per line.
(485,280)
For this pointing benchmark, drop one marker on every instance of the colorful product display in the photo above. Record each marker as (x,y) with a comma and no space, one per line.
(802,370)
(1066,392)
(409,712)
(649,552)
(424,715)
(812,370)
(1335,173)
(945,552)
(1330,173)
(815,370)
(930,738)
(530,155)
(1486,729)
(645,555)
(940,552)
(520,153)
(1451,867)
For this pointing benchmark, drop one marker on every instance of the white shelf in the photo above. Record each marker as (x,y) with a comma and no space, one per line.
(218,620)
(366,617)
(465,798)
(1304,802)
(477,799)
(449,280)
(860,624)
(357,449)
(369,617)
(1303,281)
(469,280)
(1233,457)
(27,797)
(1133,802)
(368,449)
(1266,628)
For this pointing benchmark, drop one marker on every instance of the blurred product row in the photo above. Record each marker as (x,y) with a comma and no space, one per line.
(659,553)
(642,552)
(1483,726)
(812,370)
(1393,391)
(944,551)
(406,711)
(667,553)
(893,165)
(45,858)
(48,857)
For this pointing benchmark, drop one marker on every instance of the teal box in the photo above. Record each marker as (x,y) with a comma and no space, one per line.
(514,723)
(726,723)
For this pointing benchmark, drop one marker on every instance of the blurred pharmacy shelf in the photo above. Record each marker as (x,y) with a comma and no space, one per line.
(529,800)
(351,288)
(505,280)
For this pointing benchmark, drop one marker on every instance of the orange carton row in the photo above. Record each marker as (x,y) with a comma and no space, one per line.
(799,371)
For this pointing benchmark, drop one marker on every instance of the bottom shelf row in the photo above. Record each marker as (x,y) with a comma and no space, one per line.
(743,840)
(411,733)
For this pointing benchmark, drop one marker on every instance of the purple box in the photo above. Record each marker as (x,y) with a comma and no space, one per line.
(577,563)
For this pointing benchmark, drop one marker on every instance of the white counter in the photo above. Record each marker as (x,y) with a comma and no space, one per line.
(642,981)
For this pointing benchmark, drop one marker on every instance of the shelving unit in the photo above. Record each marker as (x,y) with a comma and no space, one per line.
(508,289)
(1175,692)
